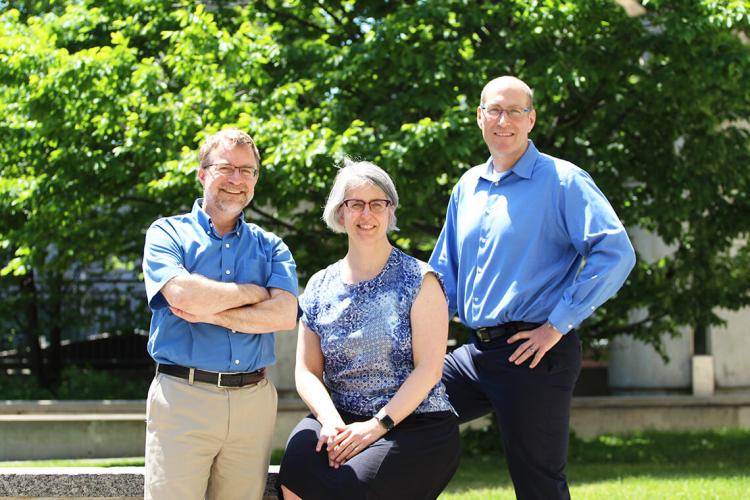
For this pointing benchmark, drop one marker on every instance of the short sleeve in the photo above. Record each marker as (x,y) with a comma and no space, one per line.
(427,269)
(283,269)
(308,301)
(163,259)
(419,270)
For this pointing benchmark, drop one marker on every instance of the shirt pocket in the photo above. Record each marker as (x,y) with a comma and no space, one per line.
(256,271)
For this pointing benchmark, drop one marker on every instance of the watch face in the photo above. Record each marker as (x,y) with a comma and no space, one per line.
(386,422)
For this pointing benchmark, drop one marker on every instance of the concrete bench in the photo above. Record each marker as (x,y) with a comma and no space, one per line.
(87,482)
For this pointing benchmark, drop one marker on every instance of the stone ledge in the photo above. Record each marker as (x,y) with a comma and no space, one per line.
(135,409)
(9,407)
(108,407)
(87,482)
(650,401)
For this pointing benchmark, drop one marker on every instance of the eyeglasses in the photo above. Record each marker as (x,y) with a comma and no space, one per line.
(496,112)
(376,206)
(227,169)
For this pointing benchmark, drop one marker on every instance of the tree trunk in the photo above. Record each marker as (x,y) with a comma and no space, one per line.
(54,351)
(36,358)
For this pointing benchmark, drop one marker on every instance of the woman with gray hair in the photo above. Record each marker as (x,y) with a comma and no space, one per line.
(369,361)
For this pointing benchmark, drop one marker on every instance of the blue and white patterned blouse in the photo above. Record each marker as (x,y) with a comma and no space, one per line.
(365,334)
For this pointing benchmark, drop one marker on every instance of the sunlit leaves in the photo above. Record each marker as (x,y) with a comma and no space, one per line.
(103,105)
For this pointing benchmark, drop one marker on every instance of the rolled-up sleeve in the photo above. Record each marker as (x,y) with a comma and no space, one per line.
(163,259)
(283,269)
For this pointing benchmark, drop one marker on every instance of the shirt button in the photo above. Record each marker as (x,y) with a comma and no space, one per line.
(570,326)
(236,361)
(227,245)
(227,272)
(234,331)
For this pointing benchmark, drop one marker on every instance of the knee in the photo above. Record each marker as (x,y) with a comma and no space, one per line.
(288,494)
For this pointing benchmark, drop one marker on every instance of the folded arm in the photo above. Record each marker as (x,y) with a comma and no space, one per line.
(276,313)
(201,296)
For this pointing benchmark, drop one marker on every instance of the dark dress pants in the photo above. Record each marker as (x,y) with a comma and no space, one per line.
(532,407)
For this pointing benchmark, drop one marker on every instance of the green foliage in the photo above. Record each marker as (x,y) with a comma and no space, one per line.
(103,105)
(722,446)
(78,462)
(18,387)
(727,446)
(77,383)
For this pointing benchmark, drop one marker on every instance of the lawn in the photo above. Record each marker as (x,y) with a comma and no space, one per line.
(695,465)
(478,479)
(669,465)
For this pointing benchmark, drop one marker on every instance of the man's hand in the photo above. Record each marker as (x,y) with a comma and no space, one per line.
(194,318)
(538,342)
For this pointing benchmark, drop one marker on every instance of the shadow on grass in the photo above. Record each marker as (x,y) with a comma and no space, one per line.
(476,473)
(705,455)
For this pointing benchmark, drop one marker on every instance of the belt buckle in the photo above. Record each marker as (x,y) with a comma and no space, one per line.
(218,382)
(483,335)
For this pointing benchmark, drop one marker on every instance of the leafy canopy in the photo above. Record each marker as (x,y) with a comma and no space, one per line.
(103,105)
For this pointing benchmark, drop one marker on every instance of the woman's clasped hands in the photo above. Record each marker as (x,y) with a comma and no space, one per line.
(345,441)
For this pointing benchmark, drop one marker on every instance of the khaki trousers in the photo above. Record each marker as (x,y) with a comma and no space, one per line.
(203,441)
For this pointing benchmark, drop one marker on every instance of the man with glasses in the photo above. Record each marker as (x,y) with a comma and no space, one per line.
(530,248)
(218,287)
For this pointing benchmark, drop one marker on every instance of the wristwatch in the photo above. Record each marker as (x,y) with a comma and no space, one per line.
(384,420)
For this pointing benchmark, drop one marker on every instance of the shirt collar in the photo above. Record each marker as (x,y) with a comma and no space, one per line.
(524,167)
(205,220)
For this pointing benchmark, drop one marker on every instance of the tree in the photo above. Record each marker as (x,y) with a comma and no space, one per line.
(104,105)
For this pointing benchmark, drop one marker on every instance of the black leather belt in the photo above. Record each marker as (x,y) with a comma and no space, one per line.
(490,333)
(217,379)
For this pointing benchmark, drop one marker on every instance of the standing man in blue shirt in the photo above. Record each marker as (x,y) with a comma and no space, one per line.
(218,287)
(530,248)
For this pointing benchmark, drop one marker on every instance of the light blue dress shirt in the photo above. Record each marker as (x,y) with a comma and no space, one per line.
(187,244)
(513,246)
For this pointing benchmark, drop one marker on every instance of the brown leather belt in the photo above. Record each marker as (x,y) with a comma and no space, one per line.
(217,379)
(490,333)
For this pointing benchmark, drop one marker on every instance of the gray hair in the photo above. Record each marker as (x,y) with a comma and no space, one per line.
(522,84)
(355,174)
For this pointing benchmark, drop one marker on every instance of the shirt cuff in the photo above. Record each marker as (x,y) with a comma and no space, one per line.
(562,318)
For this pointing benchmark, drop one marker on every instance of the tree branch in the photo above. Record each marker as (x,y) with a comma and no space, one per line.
(338,21)
(627,329)
(273,219)
(288,15)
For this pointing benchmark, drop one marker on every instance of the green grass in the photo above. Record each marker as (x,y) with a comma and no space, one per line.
(479,479)
(694,465)
(83,462)
(648,465)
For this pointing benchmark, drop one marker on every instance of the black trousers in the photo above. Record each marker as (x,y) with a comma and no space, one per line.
(532,407)
(413,461)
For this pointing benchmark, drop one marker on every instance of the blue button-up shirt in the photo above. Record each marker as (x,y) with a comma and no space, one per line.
(186,244)
(539,242)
